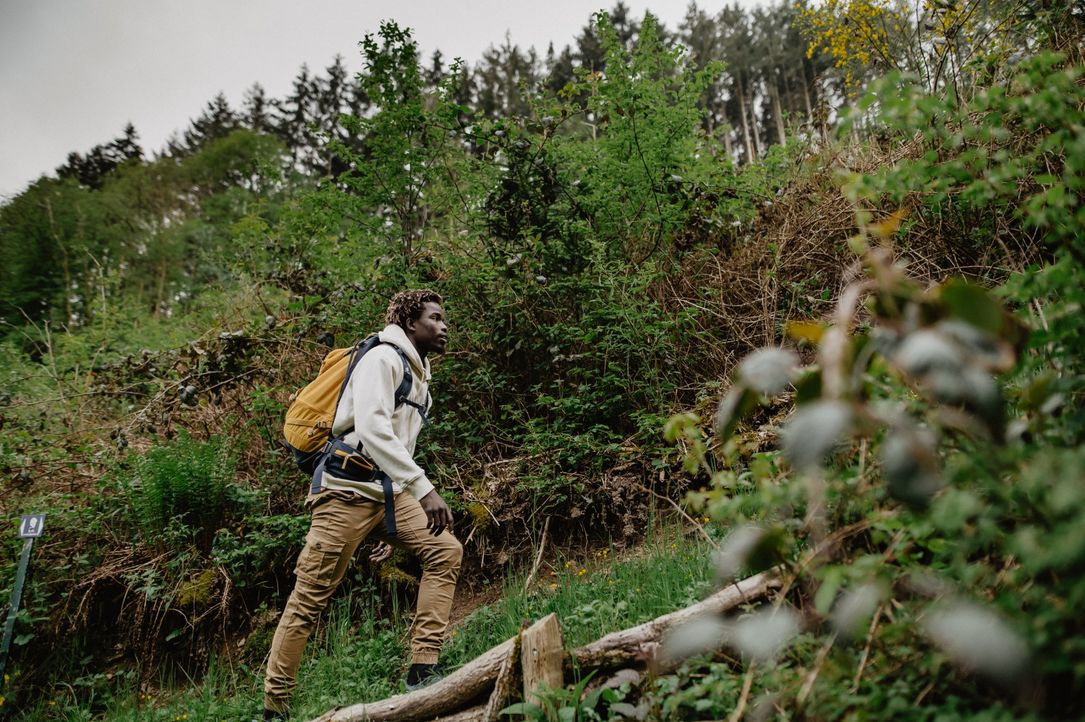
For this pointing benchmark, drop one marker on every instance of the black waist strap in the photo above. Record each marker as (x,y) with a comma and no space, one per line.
(376,476)
(389,504)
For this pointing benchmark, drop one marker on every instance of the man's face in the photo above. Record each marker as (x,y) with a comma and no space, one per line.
(429,331)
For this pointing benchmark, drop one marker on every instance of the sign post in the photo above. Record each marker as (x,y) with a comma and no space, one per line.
(30,528)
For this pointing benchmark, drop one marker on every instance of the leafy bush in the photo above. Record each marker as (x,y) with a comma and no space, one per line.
(919,520)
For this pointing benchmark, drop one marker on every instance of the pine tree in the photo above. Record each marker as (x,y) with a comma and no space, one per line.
(257,109)
(624,26)
(435,74)
(217,120)
(700,33)
(736,46)
(332,100)
(90,170)
(293,122)
(560,69)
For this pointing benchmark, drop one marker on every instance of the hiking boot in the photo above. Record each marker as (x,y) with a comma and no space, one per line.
(423,675)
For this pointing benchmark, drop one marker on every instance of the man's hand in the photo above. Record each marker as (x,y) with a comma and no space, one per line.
(382,551)
(438,515)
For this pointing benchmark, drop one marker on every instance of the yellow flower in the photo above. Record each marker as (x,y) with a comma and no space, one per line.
(1,700)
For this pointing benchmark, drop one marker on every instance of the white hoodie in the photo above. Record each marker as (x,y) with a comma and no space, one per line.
(367,414)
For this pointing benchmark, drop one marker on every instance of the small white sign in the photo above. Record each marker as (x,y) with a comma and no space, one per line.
(32,525)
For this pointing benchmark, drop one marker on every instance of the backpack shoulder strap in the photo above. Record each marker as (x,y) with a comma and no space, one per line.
(357,352)
(404,391)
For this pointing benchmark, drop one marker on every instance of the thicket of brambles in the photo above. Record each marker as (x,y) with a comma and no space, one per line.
(614,229)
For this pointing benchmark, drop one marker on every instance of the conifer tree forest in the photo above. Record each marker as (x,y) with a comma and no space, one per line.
(805,280)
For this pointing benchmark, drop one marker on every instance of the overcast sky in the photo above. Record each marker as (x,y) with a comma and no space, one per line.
(74,72)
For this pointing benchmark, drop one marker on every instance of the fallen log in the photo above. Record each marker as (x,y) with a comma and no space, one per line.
(638,644)
(543,656)
(441,701)
(474,714)
(504,683)
(451,693)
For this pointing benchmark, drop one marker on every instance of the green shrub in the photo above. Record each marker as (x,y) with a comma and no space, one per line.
(183,491)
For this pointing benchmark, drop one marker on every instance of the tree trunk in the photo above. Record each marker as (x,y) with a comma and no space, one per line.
(777,112)
(755,129)
(807,102)
(745,122)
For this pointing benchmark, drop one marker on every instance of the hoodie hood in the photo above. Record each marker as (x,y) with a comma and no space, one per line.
(395,335)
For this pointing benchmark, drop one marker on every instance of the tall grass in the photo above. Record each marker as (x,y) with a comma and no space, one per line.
(356,657)
(592,595)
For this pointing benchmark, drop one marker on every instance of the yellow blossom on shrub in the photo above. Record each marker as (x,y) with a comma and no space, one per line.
(853,33)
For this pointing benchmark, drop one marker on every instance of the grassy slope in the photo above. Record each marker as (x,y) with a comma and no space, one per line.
(356,657)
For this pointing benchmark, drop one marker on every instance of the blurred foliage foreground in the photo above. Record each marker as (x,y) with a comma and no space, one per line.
(605,264)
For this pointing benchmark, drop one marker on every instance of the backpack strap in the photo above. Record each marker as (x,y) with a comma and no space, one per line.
(404,389)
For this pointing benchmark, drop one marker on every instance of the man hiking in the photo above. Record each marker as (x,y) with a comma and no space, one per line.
(375,440)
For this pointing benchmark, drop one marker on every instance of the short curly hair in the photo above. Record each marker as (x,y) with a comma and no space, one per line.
(407,306)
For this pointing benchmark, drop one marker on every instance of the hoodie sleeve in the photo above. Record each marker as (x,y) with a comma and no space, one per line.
(374,405)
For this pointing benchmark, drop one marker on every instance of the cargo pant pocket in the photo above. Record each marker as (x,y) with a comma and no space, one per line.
(319,560)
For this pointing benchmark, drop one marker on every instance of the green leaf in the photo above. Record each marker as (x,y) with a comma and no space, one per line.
(808,386)
(909,459)
(851,614)
(830,585)
(738,402)
(808,331)
(768,370)
(814,431)
(531,711)
(973,304)
(1039,390)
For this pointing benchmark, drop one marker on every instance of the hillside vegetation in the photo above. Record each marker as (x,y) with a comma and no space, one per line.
(813,272)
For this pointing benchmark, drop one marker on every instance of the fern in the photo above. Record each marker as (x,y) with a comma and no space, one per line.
(180,492)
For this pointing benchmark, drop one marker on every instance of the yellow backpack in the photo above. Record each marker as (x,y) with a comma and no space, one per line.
(307,428)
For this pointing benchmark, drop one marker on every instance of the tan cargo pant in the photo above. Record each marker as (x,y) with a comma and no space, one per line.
(341,521)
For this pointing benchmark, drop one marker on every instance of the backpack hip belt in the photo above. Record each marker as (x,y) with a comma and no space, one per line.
(345,461)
